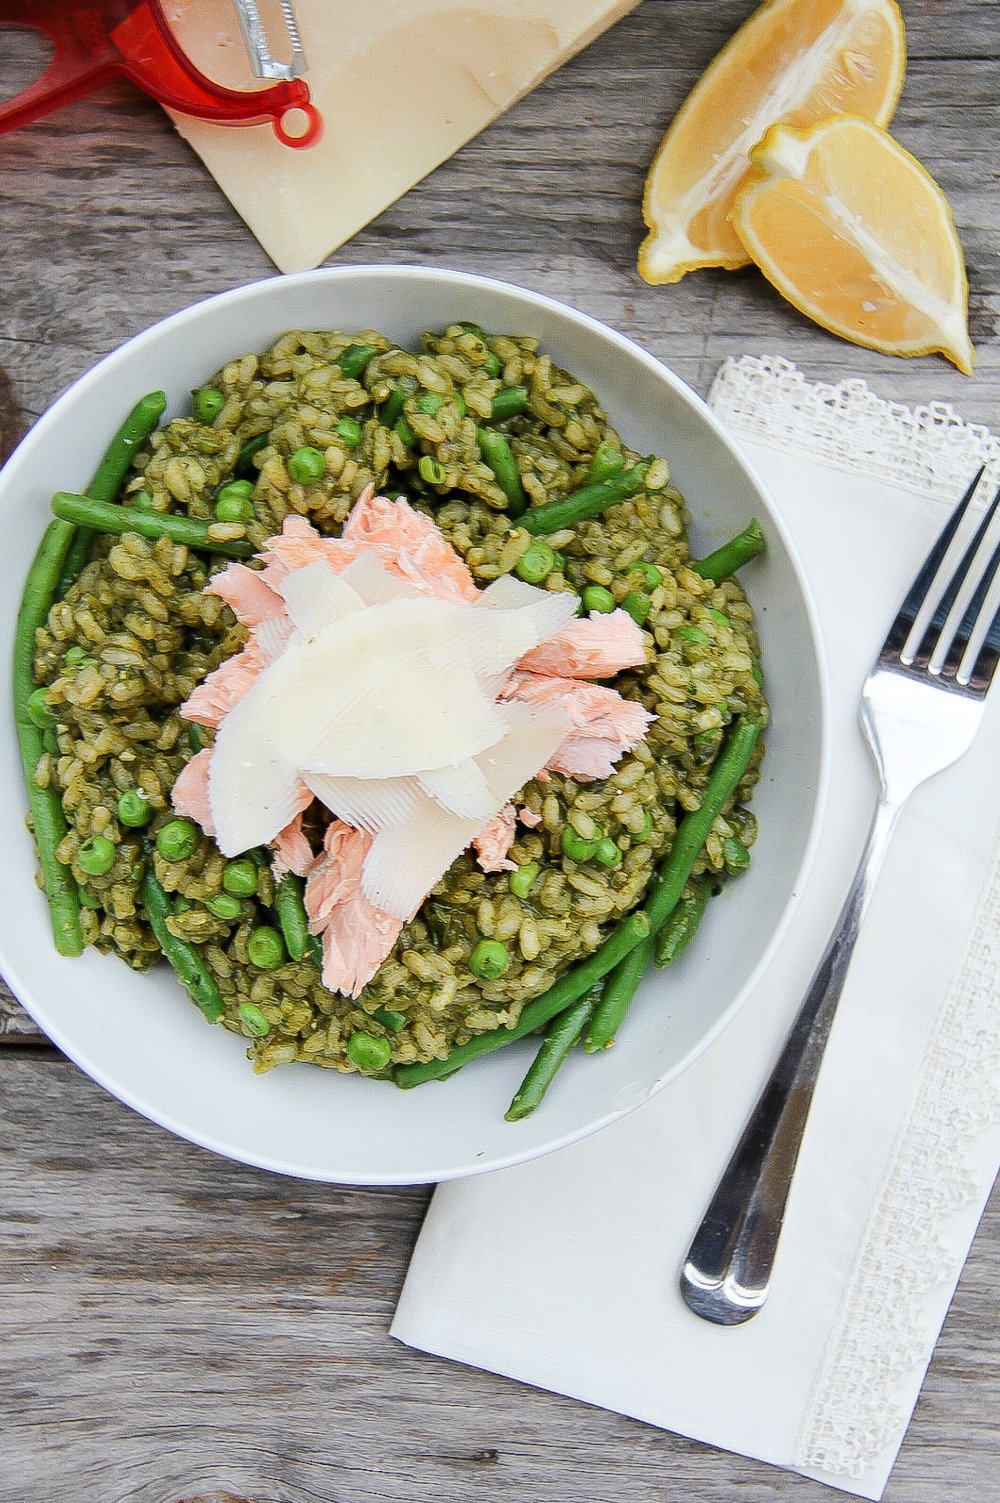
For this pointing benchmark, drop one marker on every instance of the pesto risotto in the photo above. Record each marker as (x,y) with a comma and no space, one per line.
(380,694)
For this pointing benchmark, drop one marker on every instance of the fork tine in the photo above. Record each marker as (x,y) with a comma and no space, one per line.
(975,653)
(907,614)
(952,622)
(970,630)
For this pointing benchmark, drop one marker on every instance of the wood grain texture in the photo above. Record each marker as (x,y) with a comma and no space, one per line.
(175,1326)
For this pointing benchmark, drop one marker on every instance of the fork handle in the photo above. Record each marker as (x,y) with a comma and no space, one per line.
(727,1273)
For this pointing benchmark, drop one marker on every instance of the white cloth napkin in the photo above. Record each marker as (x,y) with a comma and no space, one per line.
(563,1272)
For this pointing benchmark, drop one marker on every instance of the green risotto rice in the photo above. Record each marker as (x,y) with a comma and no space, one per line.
(303,428)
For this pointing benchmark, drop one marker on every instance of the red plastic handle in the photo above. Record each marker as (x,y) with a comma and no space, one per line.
(103,38)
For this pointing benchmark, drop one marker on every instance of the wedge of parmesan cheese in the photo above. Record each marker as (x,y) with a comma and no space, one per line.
(401,85)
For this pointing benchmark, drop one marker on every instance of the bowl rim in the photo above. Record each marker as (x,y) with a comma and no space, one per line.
(262,288)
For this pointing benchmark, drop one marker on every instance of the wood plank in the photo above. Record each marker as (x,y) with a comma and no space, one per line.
(182,1324)
(177,1325)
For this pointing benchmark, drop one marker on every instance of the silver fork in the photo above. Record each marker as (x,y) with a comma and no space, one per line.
(921,706)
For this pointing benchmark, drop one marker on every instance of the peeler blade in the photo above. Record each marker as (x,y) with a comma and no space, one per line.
(273,45)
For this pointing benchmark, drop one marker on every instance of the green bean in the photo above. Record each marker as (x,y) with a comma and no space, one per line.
(244,465)
(107,517)
(681,927)
(560,1036)
(291,913)
(607,461)
(692,832)
(541,1010)
(187,963)
(353,360)
(110,473)
(509,402)
(732,555)
(619,989)
(497,453)
(589,501)
(47,815)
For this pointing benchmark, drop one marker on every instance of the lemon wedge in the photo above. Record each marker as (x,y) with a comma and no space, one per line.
(794,61)
(858,236)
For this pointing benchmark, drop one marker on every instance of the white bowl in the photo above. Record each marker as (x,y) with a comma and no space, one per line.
(140,1037)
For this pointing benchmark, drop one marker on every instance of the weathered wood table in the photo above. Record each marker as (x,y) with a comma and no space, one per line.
(175,1325)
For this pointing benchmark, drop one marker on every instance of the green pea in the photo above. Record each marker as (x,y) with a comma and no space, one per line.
(575,847)
(430,402)
(74,655)
(641,836)
(224,906)
(652,577)
(394,1021)
(693,634)
(234,502)
(404,433)
(134,809)
(460,406)
(266,948)
(368,1052)
(354,359)
(96,856)
(432,470)
(40,712)
(719,617)
(638,606)
(206,404)
(536,562)
(489,959)
(306,465)
(607,852)
(348,430)
(254,1019)
(523,880)
(240,878)
(597,598)
(177,839)
(142,500)
(492,365)
(735,856)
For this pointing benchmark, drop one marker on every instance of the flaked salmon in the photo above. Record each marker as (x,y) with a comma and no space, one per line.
(378,679)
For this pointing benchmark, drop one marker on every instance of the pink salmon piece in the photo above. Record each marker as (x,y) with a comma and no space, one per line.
(247,594)
(495,840)
(292,851)
(189,794)
(604,724)
(357,936)
(223,688)
(595,646)
(412,546)
(529,818)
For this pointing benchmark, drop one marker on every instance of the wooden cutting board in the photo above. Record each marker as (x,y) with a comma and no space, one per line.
(401,85)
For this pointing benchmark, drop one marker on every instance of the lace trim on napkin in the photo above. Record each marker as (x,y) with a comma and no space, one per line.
(881,1333)
(927,449)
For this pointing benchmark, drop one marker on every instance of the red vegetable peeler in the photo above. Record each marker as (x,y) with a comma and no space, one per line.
(95,40)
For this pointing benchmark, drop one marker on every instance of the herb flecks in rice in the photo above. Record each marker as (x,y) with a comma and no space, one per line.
(136,632)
